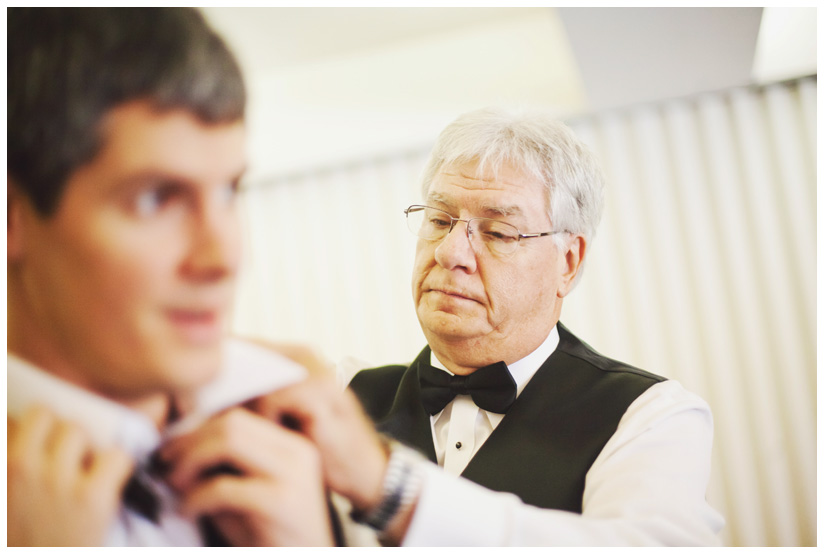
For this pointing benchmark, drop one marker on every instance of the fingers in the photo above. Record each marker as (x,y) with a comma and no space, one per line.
(40,444)
(275,497)
(307,403)
(353,457)
(69,451)
(11,427)
(109,470)
(30,433)
(57,476)
(263,511)
(226,494)
(39,438)
(237,439)
(321,411)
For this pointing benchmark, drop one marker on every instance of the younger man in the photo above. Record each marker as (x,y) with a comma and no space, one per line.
(125,148)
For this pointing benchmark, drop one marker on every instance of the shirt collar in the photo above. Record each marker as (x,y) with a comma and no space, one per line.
(521,370)
(248,371)
(108,423)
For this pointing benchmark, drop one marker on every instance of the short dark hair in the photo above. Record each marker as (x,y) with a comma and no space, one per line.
(68,67)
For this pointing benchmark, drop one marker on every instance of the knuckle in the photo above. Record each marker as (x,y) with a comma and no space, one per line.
(37,413)
(116,460)
(307,453)
(232,420)
(38,417)
(231,427)
(221,426)
(94,499)
(16,466)
(70,432)
(222,487)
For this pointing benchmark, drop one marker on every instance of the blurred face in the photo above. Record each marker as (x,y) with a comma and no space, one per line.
(126,289)
(474,306)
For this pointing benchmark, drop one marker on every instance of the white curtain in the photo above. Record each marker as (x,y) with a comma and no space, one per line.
(704,271)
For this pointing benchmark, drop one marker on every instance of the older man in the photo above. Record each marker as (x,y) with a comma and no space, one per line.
(542,440)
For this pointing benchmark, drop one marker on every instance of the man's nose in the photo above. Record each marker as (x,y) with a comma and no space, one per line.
(456,248)
(215,244)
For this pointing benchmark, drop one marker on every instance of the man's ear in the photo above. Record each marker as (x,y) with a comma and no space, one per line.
(573,259)
(15,202)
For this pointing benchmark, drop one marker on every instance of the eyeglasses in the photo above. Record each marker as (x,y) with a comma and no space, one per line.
(499,237)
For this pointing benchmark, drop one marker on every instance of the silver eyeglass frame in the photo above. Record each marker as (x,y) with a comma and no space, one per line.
(418,207)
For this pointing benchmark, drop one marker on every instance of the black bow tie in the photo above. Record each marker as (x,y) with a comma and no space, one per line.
(138,496)
(491,387)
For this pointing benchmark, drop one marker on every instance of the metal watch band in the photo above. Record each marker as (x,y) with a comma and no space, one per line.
(402,483)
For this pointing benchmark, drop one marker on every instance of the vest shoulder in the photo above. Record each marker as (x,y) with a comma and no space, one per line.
(376,387)
(577,348)
(378,376)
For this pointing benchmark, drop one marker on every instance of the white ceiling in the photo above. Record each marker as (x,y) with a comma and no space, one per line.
(266,38)
(632,55)
(329,85)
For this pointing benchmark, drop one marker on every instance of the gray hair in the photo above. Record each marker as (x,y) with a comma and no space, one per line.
(536,144)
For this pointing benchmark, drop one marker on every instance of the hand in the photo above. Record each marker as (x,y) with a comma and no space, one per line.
(61,490)
(276,497)
(353,457)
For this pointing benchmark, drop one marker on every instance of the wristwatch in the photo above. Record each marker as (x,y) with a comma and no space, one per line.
(402,484)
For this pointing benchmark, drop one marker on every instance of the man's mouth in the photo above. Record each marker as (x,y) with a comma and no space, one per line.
(455,294)
(197,325)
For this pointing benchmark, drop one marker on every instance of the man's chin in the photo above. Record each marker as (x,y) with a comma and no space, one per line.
(449,327)
(192,368)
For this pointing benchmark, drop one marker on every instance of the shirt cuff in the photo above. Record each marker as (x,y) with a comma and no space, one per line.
(453,511)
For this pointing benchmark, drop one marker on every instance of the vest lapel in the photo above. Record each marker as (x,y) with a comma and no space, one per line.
(407,421)
(516,457)
(550,437)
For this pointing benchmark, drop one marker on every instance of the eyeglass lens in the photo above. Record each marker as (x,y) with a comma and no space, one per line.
(433,224)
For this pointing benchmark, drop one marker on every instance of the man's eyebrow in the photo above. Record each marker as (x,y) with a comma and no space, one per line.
(487,211)
(440,199)
(152,176)
(149,177)
(502,211)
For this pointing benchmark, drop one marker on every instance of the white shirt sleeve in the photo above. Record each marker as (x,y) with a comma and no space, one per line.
(647,487)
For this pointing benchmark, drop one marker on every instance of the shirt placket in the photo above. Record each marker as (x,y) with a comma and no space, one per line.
(461,436)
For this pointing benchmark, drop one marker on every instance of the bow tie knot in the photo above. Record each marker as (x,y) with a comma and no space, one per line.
(458,385)
(139,496)
(491,387)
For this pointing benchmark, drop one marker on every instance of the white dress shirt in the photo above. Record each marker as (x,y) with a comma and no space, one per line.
(646,487)
(461,428)
(248,371)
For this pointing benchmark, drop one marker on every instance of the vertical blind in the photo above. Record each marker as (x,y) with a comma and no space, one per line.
(703,271)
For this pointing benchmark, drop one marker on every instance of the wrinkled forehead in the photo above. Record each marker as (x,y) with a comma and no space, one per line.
(504,191)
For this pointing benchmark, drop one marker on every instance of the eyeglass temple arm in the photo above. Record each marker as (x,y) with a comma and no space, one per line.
(531,235)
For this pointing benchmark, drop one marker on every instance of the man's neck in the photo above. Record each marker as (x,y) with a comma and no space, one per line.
(464,356)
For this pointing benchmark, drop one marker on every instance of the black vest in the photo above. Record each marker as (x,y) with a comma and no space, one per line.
(550,437)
